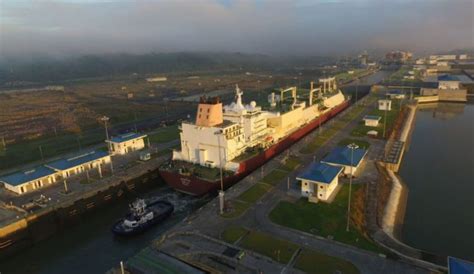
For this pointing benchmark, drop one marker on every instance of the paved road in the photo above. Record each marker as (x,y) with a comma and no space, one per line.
(208,222)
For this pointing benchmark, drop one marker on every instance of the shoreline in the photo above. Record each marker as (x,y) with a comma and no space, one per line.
(394,210)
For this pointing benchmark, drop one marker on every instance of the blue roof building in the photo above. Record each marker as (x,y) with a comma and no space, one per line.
(28,180)
(319,181)
(447,77)
(80,163)
(341,156)
(458,266)
(127,137)
(126,143)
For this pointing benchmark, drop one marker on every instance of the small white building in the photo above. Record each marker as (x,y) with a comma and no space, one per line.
(371,120)
(346,158)
(126,143)
(29,180)
(319,181)
(385,104)
(80,163)
(396,94)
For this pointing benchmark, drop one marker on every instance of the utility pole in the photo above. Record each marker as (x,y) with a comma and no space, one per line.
(385,122)
(352,147)
(79,142)
(4,145)
(357,90)
(221,192)
(41,152)
(105,119)
(66,190)
(135,121)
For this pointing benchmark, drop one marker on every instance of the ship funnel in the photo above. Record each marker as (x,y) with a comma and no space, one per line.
(209,112)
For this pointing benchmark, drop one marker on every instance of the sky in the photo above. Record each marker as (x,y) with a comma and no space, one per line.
(275,27)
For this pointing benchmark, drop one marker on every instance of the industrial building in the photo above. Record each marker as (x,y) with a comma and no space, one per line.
(29,180)
(319,181)
(448,82)
(449,89)
(344,156)
(80,163)
(126,143)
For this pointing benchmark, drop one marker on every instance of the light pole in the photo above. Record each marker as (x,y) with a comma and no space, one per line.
(221,192)
(105,119)
(357,89)
(385,121)
(352,147)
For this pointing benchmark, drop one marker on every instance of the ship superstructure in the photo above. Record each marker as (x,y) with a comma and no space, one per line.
(239,138)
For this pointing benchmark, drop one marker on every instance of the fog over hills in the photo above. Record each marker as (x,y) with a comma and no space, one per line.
(62,28)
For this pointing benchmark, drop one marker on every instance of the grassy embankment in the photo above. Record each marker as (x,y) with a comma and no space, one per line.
(330,130)
(403,71)
(246,199)
(327,220)
(309,261)
(345,76)
(361,130)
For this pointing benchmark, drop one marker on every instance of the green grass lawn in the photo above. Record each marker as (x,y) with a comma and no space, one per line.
(331,130)
(254,193)
(277,249)
(344,76)
(237,208)
(29,151)
(233,233)
(322,219)
(291,163)
(360,143)
(275,176)
(361,130)
(311,261)
(165,135)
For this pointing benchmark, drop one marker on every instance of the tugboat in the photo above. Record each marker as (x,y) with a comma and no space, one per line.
(142,216)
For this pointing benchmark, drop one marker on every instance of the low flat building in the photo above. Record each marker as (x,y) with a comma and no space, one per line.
(80,163)
(341,157)
(371,120)
(319,181)
(385,104)
(126,143)
(29,180)
(396,94)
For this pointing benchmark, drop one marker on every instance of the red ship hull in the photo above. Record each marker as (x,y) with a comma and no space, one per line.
(197,186)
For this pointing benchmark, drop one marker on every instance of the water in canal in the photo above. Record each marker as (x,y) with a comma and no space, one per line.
(439,172)
(90,247)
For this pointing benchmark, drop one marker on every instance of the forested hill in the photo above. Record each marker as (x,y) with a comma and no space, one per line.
(50,70)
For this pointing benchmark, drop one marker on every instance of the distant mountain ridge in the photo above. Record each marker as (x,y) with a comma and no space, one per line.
(50,70)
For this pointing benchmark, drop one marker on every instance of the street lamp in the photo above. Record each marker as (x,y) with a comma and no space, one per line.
(352,147)
(221,192)
(385,121)
(105,119)
(357,89)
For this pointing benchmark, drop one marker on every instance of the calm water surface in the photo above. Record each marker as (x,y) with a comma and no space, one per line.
(90,247)
(439,172)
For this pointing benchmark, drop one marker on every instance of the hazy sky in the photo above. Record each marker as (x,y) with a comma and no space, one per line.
(65,27)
